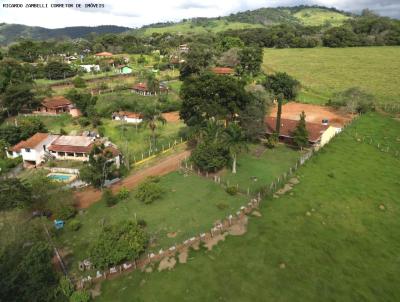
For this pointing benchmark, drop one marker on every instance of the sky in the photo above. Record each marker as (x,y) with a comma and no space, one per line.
(135,13)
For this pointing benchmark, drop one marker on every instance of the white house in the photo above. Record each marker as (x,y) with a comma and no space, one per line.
(41,146)
(90,68)
(33,150)
(129,117)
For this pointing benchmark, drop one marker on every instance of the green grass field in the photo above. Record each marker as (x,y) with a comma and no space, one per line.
(260,167)
(334,238)
(324,71)
(188,207)
(320,17)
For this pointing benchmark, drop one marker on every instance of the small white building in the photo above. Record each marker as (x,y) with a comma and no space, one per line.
(90,68)
(129,117)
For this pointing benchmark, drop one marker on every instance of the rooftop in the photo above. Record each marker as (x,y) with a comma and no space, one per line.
(104,54)
(222,70)
(70,140)
(31,142)
(56,102)
(288,126)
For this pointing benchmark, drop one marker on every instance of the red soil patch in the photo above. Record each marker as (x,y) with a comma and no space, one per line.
(171,117)
(91,195)
(314,114)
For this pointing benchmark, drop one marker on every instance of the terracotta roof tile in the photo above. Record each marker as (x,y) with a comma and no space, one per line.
(31,142)
(222,70)
(288,126)
(56,102)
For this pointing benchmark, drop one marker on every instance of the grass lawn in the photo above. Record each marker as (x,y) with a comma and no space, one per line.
(188,207)
(320,17)
(259,167)
(135,141)
(336,238)
(324,71)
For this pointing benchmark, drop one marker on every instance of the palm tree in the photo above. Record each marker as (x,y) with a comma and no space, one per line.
(151,115)
(234,140)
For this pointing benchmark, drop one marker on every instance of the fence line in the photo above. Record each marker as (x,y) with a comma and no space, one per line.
(217,229)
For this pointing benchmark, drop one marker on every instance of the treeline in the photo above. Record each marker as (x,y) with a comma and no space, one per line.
(367,30)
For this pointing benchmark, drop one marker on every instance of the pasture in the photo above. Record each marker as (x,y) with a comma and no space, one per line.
(325,71)
(333,238)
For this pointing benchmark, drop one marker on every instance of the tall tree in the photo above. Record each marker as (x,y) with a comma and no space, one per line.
(196,61)
(234,140)
(212,96)
(250,59)
(151,116)
(278,115)
(282,83)
(300,134)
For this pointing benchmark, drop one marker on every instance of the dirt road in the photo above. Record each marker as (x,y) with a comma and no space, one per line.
(169,164)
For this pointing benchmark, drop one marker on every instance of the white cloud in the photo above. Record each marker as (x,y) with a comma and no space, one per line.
(135,13)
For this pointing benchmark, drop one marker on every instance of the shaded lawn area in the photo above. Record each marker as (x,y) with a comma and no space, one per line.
(260,166)
(330,241)
(188,207)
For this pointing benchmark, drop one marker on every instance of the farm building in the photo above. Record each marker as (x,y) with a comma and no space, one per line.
(57,105)
(223,70)
(318,134)
(129,117)
(43,146)
(103,54)
(142,89)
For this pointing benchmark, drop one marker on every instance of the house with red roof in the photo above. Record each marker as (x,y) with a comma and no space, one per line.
(57,105)
(103,54)
(318,134)
(223,70)
(142,89)
(42,146)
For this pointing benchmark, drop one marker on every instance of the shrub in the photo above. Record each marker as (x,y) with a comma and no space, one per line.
(272,141)
(116,243)
(74,225)
(109,198)
(222,205)
(79,82)
(123,194)
(149,191)
(66,287)
(210,156)
(142,223)
(64,212)
(80,296)
(83,121)
(231,190)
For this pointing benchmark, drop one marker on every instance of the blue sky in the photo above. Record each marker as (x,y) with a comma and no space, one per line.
(135,13)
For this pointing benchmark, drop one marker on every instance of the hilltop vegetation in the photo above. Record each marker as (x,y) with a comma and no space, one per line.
(11,32)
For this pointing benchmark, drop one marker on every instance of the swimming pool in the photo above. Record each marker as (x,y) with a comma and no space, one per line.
(61,177)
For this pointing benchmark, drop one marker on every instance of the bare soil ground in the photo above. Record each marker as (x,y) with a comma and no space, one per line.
(171,117)
(169,164)
(167,263)
(314,113)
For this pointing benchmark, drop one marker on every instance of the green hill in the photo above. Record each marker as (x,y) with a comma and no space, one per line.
(12,32)
(263,17)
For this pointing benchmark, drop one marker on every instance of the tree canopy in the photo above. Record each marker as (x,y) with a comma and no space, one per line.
(212,96)
(282,83)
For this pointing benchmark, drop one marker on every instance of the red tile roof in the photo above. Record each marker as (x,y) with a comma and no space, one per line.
(56,102)
(128,114)
(288,126)
(104,54)
(222,70)
(140,86)
(31,142)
